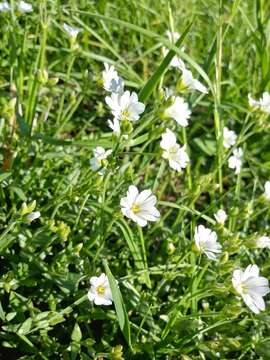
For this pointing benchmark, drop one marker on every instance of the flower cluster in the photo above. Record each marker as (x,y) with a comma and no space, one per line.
(22,7)
(140,207)
(124,105)
(263,104)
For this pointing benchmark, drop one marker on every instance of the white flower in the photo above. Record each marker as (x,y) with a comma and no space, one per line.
(229,138)
(176,62)
(168,93)
(71,31)
(188,81)
(172,36)
(263,104)
(252,102)
(25,7)
(235,161)
(179,111)
(33,216)
(115,126)
(4,6)
(251,287)
(112,82)
(98,162)
(263,242)
(139,207)
(177,156)
(267,190)
(125,106)
(206,242)
(220,217)
(100,291)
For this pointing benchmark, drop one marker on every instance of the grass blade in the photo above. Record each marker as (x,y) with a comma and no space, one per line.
(152,82)
(120,308)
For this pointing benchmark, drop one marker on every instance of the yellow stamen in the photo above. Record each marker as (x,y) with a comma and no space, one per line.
(173,150)
(125,114)
(244,288)
(136,208)
(100,290)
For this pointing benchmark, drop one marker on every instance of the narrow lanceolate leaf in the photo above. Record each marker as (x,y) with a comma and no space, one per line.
(133,247)
(120,308)
(152,82)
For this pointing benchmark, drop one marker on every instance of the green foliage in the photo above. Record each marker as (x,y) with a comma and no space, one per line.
(170,301)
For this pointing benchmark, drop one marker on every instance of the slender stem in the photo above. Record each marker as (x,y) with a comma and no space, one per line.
(159,175)
(8,229)
(189,178)
(217,119)
(147,279)
(35,85)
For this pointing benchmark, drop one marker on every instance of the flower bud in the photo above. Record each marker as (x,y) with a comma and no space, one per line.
(53,81)
(170,248)
(42,76)
(224,257)
(27,209)
(126,127)
(117,353)
(180,86)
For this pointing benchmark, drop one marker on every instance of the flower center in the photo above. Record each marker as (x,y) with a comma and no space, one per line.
(244,288)
(100,290)
(100,82)
(173,150)
(125,114)
(182,85)
(136,208)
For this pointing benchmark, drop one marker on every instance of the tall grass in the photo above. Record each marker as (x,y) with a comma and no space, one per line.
(170,301)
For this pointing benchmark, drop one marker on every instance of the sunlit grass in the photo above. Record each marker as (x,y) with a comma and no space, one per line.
(73,185)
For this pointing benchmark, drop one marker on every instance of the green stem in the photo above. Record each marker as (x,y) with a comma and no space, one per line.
(217,119)
(159,175)
(146,275)
(30,114)
(188,171)
(8,229)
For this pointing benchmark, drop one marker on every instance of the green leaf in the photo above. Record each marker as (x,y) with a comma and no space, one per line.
(139,140)
(4,176)
(152,82)
(76,333)
(2,313)
(208,146)
(187,209)
(87,143)
(25,327)
(5,241)
(19,192)
(23,126)
(133,247)
(120,308)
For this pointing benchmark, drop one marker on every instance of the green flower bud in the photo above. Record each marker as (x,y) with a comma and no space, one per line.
(42,76)
(53,81)
(126,127)
(170,248)
(180,86)
(117,353)
(224,257)
(27,209)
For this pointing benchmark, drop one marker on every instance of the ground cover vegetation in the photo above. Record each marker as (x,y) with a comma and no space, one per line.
(135,179)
